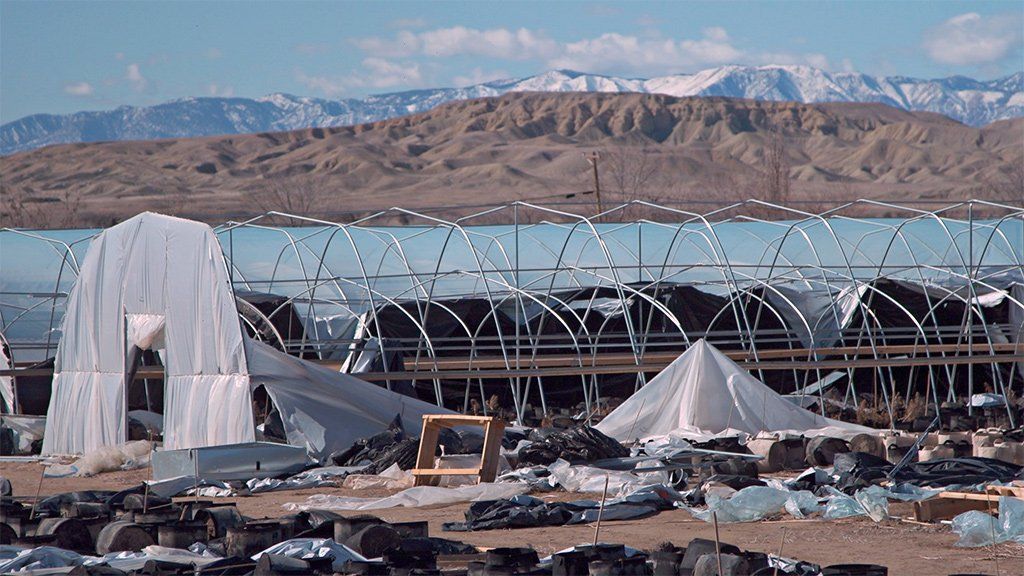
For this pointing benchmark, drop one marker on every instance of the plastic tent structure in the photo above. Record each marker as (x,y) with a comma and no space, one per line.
(157,282)
(704,394)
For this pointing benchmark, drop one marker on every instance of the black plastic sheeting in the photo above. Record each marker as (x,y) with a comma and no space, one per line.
(858,470)
(582,444)
(529,512)
(396,446)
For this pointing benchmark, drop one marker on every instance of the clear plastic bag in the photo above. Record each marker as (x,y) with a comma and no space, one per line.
(977,528)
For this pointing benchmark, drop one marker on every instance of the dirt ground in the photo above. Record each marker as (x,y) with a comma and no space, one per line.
(906,548)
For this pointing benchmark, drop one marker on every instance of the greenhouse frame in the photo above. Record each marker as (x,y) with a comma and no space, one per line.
(553,307)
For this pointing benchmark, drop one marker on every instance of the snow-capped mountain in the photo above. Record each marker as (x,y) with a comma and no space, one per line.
(970,101)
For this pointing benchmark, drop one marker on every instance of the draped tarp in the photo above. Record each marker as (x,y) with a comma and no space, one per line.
(704,394)
(151,278)
(324,410)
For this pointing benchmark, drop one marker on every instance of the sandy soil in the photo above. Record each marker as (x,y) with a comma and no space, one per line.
(906,548)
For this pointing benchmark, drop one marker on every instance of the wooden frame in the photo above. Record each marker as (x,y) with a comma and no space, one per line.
(494,430)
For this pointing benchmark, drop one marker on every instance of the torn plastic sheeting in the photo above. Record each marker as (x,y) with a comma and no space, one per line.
(314,548)
(27,429)
(589,479)
(137,560)
(527,511)
(758,502)
(313,478)
(872,501)
(413,497)
(867,502)
(182,484)
(977,528)
(393,478)
(16,558)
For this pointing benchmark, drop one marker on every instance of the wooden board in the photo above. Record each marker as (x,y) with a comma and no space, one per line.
(940,508)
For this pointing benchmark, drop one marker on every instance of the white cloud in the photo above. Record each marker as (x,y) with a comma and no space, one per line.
(323,84)
(974,39)
(375,73)
(135,77)
(793,59)
(221,91)
(119,55)
(617,52)
(521,44)
(385,74)
(611,52)
(478,76)
(78,89)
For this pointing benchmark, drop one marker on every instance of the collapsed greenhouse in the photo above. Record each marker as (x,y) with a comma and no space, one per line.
(556,310)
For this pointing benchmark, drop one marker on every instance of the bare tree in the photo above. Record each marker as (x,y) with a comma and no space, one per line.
(19,210)
(775,172)
(304,197)
(629,173)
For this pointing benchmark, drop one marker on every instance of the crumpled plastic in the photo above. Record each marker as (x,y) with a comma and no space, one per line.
(978,528)
(312,549)
(394,478)
(15,558)
(128,561)
(589,479)
(755,503)
(663,446)
(412,497)
(872,502)
(184,485)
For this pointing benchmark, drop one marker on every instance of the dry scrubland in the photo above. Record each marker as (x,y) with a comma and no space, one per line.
(529,147)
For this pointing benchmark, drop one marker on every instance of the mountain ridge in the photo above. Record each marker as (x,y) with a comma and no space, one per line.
(525,146)
(973,102)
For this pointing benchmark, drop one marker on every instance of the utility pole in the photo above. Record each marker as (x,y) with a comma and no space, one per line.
(593,157)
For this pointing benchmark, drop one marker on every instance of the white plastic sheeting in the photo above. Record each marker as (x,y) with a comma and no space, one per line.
(150,266)
(313,549)
(704,394)
(756,503)
(160,282)
(413,497)
(324,410)
(817,315)
(977,528)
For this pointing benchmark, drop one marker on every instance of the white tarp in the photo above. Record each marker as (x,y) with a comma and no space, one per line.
(704,394)
(817,316)
(150,278)
(324,410)
(155,281)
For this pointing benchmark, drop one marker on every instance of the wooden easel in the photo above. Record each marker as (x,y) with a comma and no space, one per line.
(494,429)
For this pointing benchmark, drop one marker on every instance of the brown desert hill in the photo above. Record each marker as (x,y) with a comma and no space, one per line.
(527,146)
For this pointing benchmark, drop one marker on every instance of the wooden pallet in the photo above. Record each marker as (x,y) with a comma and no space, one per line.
(494,429)
(1015,491)
(947,505)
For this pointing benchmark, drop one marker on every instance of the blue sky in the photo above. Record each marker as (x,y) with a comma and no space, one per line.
(60,57)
